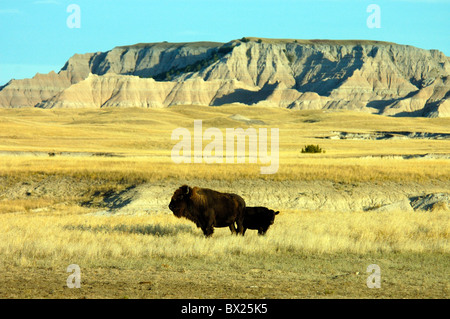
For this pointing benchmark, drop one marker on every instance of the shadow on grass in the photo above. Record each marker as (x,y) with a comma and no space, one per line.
(154,230)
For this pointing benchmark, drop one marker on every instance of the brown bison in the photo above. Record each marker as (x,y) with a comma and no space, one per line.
(259,218)
(208,208)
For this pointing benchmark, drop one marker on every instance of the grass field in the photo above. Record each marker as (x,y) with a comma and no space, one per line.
(306,254)
(137,132)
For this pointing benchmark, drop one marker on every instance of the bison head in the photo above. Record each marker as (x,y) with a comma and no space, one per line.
(270,220)
(272,216)
(178,203)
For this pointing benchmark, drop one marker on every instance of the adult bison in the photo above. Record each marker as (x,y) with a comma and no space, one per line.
(208,208)
(259,218)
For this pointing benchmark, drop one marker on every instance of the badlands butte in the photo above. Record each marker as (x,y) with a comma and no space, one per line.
(370,76)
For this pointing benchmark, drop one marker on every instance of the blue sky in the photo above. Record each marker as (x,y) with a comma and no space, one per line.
(35,36)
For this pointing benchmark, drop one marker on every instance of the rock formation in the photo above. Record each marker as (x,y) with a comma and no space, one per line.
(371,76)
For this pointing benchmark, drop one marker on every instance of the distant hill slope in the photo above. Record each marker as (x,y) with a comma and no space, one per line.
(371,76)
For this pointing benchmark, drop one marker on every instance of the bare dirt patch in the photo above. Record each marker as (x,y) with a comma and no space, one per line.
(302,276)
(112,197)
(286,195)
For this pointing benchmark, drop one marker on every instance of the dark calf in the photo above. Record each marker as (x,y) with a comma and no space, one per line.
(259,218)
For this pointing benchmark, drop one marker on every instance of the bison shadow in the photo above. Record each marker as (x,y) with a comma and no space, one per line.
(110,199)
(154,230)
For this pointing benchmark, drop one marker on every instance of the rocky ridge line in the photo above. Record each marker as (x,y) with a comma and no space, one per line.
(371,76)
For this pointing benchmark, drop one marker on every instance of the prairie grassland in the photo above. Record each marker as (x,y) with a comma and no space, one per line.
(143,137)
(147,169)
(304,255)
(138,132)
(53,239)
(311,254)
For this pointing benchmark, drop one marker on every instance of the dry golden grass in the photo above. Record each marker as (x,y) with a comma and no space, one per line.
(143,136)
(68,236)
(307,255)
(147,131)
(135,170)
(41,234)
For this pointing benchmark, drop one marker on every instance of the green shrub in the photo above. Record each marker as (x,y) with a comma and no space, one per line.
(312,149)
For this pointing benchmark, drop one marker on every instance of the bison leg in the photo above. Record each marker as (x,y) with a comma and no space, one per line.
(233,228)
(240,226)
(208,231)
(207,222)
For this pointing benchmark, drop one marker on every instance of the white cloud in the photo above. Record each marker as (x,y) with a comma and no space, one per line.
(9,11)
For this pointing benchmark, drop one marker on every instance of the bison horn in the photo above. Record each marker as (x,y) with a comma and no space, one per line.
(185,189)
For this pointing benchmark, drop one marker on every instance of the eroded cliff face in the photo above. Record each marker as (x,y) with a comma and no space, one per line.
(376,77)
(141,60)
(30,92)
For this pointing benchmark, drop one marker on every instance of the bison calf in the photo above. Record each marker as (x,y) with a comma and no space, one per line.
(259,218)
(208,208)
